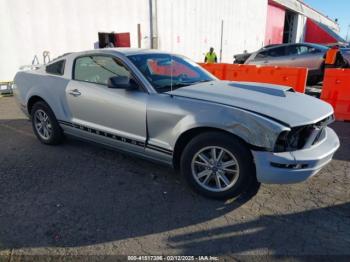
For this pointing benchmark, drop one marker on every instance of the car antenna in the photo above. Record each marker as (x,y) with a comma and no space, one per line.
(171,75)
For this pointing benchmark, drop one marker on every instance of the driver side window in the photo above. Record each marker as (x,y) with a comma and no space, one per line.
(98,69)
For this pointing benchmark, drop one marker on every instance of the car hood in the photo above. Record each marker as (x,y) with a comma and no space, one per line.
(276,102)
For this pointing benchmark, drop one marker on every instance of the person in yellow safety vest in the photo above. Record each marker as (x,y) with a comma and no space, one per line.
(210,57)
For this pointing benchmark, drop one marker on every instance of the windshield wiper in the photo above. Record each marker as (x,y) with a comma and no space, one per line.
(202,81)
(177,85)
(183,84)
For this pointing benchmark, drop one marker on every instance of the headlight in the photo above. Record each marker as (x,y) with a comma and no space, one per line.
(282,142)
(302,136)
(294,139)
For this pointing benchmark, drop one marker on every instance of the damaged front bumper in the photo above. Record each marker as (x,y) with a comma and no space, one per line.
(295,166)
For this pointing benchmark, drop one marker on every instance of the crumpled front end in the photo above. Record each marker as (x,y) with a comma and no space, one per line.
(298,155)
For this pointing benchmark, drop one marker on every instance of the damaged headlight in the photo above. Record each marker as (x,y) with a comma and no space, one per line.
(281,143)
(303,136)
(294,139)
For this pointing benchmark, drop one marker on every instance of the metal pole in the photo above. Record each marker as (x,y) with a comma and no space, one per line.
(222,32)
(151,21)
(139,36)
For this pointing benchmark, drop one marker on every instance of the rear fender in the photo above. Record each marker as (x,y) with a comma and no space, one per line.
(50,88)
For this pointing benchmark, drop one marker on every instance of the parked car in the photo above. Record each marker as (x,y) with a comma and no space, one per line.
(345,52)
(306,55)
(241,58)
(223,136)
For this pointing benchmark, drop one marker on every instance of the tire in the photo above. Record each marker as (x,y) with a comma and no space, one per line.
(241,176)
(54,134)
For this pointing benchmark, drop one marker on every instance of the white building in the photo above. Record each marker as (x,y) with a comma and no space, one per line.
(188,27)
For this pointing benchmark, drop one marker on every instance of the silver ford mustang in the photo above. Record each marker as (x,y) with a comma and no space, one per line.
(222,136)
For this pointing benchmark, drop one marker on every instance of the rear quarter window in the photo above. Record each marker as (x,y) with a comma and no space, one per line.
(276,52)
(261,55)
(56,68)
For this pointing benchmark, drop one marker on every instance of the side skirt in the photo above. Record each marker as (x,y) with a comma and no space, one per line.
(149,152)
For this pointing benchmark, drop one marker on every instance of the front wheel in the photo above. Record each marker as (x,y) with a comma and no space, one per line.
(218,165)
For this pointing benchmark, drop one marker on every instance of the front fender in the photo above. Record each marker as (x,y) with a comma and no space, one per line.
(254,129)
(170,117)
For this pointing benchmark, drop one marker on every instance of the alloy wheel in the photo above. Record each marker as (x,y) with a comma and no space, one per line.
(215,168)
(42,124)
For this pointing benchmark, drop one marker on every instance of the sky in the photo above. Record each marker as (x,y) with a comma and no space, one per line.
(334,9)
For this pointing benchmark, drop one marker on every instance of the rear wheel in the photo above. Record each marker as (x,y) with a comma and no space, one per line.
(45,124)
(218,165)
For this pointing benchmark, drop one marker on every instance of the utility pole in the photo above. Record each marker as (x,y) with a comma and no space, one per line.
(222,33)
(153,24)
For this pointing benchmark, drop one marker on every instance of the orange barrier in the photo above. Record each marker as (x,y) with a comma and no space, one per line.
(336,91)
(287,76)
(218,70)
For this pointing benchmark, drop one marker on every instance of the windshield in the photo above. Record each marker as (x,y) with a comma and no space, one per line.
(321,47)
(166,72)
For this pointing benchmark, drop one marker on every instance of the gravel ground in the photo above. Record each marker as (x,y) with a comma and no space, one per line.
(82,199)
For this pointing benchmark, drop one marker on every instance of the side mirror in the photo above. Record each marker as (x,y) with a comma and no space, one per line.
(120,82)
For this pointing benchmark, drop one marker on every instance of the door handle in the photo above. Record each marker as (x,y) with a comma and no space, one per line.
(75,92)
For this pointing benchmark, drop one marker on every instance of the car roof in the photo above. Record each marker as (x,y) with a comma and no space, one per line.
(131,51)
(292,44)
(110,51)
(271,47)
(123,51)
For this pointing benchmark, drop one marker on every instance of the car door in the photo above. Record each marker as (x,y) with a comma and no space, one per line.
(305,56)
(272,56)
(278,56)
(112,116)
(260,58)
